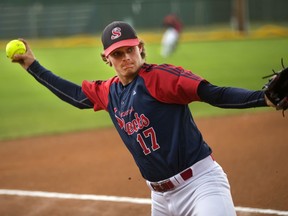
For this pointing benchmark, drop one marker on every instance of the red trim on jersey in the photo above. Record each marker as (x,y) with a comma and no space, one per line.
(171,84)
(98,91)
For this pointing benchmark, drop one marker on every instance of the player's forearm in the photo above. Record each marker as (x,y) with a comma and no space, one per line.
(230,97)
(65,90)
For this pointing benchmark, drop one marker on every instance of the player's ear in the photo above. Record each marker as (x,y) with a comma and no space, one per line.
(142,49)
(108,61)
(105,59)
(140,46)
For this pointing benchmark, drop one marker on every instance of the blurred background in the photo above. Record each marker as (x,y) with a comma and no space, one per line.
(228,42)
(43,18)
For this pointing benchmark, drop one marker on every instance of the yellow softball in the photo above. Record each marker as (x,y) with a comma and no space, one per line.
(15,47)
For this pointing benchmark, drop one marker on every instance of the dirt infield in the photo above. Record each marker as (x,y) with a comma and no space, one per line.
(251,148)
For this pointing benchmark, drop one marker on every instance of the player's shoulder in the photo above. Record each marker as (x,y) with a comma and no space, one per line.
(166,72)
(156,73)
(159,68)
(105,83)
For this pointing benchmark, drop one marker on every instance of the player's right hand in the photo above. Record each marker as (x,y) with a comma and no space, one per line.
(26,59)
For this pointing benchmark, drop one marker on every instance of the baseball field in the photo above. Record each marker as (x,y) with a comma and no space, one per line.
(57,160)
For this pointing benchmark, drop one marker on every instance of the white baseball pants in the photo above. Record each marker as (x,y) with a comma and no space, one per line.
(207,193)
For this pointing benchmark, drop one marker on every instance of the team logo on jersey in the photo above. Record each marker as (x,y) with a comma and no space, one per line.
(116,33)
(139,122)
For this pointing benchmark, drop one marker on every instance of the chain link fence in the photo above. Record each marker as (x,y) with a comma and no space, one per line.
(42,19)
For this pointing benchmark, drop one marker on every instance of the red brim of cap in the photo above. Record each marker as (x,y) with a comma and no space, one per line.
(123,43)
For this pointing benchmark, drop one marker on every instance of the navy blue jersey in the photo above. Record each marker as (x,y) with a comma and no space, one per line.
(153,119)
(151,114)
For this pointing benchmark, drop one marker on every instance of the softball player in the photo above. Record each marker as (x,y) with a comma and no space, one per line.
(148,104)
(171,34)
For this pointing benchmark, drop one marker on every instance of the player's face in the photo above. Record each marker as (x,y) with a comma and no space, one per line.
(126,62)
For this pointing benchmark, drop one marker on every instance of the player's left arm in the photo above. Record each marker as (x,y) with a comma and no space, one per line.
(230,97)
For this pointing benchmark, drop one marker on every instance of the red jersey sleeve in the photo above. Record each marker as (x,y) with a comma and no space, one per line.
(98,92)
(171,84)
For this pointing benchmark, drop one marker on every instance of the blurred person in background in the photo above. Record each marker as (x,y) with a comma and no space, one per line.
(173,27)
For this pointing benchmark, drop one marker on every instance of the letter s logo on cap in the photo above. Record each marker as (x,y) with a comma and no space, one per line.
(116,33)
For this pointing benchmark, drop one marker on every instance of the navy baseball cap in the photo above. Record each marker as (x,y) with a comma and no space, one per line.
(118,34)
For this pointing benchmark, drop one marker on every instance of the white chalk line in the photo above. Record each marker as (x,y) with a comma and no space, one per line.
(74,196)
(144,201)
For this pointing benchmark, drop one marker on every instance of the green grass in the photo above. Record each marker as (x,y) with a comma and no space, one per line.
(27,108)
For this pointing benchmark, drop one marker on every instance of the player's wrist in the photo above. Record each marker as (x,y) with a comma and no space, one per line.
(34,66)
